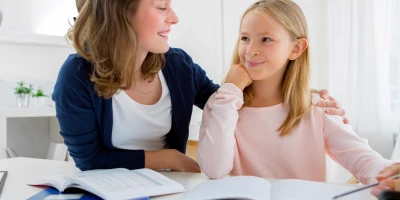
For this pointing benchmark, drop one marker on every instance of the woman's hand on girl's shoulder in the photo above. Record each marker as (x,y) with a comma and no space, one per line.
(332,105)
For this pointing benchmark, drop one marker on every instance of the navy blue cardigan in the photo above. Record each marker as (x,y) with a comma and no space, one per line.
(86,119)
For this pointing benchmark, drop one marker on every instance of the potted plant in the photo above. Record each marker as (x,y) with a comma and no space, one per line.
(39,98)
(22,94)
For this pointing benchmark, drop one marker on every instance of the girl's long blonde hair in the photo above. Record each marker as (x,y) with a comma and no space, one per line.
(103,34)
(295,86)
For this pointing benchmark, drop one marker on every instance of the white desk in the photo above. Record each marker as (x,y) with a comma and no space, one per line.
(23,170)
(27,130)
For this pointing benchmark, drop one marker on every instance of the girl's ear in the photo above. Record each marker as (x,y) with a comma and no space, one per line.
(299,46)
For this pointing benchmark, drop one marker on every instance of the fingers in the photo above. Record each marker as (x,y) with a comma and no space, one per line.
(389,171)
(324,94)
(332,107)
(345,120)
(248,83)
(334,111)
(329,104)
(196,168)
(189,165)
(377,190)
(193,166)
(391,184)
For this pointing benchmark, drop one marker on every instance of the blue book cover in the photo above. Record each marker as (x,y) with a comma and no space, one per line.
(69,194)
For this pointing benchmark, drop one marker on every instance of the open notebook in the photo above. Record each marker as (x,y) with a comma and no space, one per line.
(250,187)
(116,183)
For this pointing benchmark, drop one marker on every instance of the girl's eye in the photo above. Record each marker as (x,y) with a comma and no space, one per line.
(266,40)
(245,39)
(163,9)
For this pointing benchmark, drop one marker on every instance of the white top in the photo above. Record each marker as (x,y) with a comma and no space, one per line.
(138,126)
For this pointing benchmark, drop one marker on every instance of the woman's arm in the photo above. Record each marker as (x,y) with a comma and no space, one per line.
(79,124)
(204,86)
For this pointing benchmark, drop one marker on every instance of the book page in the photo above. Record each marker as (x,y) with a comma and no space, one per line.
(238,187)
(122,183)
(58,182)
(308,190)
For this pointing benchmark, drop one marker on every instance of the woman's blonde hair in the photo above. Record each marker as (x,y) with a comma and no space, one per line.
(295,86)
(103,34)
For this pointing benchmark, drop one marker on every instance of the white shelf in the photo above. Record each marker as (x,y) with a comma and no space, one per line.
(14,112)
(32,39)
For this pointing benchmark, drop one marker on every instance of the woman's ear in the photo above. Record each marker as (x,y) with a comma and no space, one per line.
(299,46)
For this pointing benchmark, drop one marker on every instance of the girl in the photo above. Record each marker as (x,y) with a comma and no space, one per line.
(126,98)
(261,121)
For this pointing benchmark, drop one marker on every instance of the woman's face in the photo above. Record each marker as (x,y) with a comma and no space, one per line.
(152,23)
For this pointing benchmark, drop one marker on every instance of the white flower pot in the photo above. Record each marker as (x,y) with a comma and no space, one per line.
(39,101)
(22,100)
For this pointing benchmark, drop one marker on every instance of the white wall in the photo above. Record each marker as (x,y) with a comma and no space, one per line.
(199,33)
(28,55)
(317,20)
(25,54)
(37,16)
(26,61)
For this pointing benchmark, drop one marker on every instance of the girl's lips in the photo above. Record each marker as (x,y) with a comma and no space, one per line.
(253,64)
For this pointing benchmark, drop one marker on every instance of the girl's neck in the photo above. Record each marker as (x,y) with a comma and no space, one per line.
(267,92)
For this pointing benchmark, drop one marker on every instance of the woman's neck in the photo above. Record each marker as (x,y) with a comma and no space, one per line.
(137,72)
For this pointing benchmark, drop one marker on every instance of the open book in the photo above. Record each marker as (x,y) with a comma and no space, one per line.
(250,187)
(116,183)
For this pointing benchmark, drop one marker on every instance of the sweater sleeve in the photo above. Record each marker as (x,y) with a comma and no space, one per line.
(352,152)
(204,86)
(217,132)
(79,126)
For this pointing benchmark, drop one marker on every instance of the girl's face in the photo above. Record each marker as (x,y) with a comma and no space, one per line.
(152,23)
(264,46)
